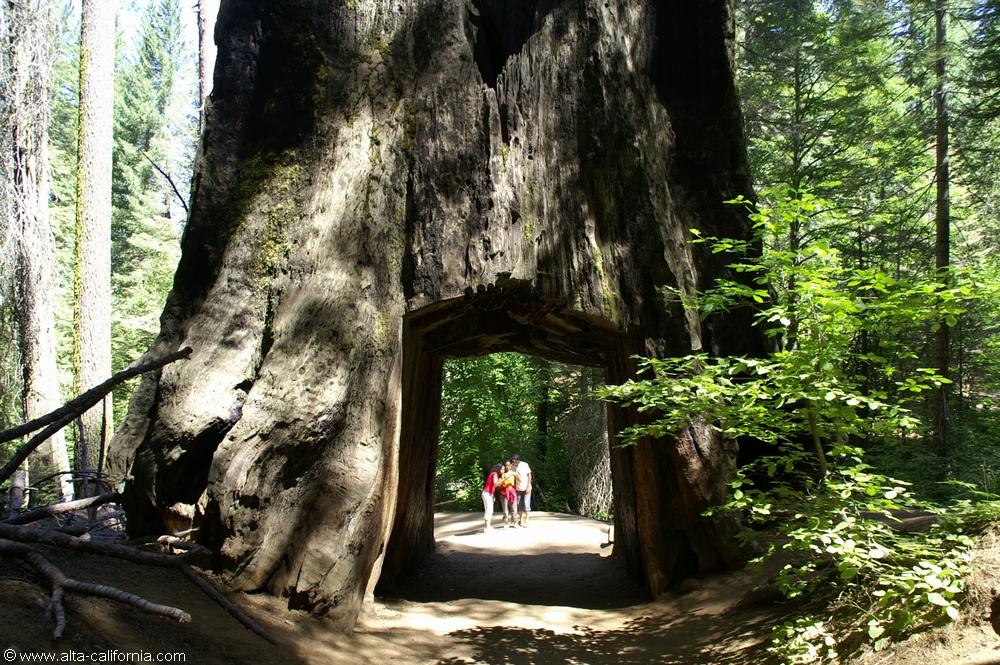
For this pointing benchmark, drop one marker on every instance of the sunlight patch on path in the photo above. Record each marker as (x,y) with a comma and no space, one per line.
(545,533)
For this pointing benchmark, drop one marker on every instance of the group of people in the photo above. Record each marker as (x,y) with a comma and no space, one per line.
(511,481)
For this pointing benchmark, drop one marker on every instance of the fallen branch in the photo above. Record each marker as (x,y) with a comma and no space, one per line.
(22,534)
(59,584)
(169,543)
(65,414)
(27,534)
(92,396)
(29,516)
(234,610)
(88,529)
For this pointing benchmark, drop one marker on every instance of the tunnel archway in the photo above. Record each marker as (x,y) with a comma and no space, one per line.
(505,316)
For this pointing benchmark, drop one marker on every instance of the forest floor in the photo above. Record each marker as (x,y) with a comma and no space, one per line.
(547,593)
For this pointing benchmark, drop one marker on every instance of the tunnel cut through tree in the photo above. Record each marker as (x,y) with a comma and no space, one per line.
(377,180)
(498,404)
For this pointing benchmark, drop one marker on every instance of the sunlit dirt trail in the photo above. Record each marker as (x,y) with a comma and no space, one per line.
(548,593)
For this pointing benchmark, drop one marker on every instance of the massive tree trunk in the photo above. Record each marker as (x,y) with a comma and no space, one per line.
(92,268)
(385,184)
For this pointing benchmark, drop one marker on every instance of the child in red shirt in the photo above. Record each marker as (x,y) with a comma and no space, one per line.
(508,495)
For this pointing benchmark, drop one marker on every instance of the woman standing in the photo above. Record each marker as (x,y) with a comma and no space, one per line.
(489,489)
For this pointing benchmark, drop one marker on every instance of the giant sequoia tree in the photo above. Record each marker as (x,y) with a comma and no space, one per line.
(382,185)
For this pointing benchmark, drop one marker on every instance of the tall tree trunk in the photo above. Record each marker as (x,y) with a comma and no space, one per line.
(204,80)
(942,218)
(92,269)
(32,35)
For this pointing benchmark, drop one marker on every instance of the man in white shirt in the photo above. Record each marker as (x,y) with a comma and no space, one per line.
(523,486)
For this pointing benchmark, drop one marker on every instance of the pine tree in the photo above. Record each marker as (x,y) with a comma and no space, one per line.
(92,343)
(155,121)
(32,42)
(824,105)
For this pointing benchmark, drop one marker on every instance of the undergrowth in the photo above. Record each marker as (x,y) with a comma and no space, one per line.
(845,530)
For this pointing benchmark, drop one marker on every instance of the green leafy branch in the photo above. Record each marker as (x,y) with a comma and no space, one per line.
(832,515)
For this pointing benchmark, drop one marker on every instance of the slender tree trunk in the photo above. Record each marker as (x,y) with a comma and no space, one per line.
(31,42)
(942,217)
(542,409)
(203,75)
(18,490)
(92,338)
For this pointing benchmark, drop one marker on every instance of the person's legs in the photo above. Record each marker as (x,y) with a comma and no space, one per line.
(488,510)
(526,508)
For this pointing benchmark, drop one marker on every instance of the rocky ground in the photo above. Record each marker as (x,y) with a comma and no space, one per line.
(548,593)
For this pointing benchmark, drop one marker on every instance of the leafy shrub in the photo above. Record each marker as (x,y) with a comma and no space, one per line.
(833,515)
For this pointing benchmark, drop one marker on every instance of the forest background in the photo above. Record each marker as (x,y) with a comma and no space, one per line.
(840,99)
(873,129)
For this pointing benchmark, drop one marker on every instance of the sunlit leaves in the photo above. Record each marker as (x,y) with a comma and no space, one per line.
(833,513)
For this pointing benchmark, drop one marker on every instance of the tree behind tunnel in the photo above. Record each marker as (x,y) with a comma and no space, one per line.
(383,185)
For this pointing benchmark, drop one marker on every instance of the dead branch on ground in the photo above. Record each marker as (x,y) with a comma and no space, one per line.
(234,610)
(59,584)
(51,510)
(16,539)
(18,536)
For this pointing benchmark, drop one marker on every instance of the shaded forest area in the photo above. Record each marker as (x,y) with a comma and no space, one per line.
(873,129)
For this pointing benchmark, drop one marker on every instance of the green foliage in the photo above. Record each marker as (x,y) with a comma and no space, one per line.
(837,533)
(830,511)
(814,309)
(154,125)
(486,416)
(504,403)
(824,102)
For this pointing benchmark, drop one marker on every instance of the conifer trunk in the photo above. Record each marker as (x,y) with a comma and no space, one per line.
(92,268)
(204,80)
(32,33)
(942,219)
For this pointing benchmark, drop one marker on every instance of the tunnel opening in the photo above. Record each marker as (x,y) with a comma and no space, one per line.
(505,317)
(555,548)
(548,413)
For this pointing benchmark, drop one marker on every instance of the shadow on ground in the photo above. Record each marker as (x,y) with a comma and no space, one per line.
(556,560)
(684,640)
(572,580)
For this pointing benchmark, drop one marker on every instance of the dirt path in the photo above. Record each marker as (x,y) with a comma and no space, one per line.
(557,559)
(549,593)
